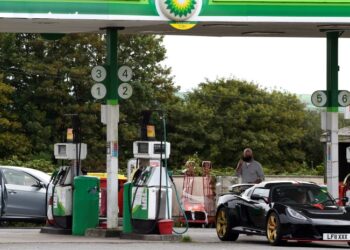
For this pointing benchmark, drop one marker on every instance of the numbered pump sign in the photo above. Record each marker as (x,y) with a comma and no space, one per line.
(125,90)
(98,73)
(125,75)
(98,91)
(344,98)
(319,98)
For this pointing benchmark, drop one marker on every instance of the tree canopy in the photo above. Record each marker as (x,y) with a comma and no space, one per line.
(221,118)
(44,82)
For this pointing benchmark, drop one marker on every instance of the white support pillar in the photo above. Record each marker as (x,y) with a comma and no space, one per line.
(112,118)
(332,154)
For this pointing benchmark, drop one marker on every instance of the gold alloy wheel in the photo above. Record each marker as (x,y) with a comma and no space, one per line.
(221,223)
(272,227)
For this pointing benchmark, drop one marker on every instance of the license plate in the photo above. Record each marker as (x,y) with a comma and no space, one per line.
(330,236)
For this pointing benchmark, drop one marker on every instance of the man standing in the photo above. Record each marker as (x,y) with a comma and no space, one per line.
(249,169)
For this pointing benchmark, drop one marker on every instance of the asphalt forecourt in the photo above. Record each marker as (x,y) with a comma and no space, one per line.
(196,238)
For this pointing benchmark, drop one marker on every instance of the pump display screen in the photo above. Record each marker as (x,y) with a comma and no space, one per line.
(142,148)
(159,148)
(62,150)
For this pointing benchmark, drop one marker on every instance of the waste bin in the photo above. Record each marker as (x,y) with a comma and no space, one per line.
(85,204)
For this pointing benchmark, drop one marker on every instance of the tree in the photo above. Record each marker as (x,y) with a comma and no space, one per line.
(221,118)
(311,145)
(52,79)
(12,139)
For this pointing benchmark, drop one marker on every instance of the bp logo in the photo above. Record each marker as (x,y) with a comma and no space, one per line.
(179,10)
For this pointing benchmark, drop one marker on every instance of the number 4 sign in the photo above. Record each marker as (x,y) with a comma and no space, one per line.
(125,73)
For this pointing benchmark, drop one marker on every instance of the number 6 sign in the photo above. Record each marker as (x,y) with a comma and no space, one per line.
(344,98)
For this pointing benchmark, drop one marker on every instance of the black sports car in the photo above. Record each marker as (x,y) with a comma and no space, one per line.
(283,210)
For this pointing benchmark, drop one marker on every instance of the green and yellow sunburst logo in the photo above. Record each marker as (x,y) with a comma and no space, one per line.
(179,10)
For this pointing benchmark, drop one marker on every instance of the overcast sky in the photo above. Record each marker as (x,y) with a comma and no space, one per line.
(297,65)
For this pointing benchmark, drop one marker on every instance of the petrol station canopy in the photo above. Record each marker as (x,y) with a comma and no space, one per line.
(281,18)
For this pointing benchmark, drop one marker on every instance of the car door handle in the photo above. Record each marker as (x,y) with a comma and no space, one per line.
(12,192)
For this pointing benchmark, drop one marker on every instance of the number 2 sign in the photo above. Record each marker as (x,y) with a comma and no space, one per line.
(125,90)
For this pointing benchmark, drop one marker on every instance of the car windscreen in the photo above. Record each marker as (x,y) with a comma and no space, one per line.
(239,189)
(302,194)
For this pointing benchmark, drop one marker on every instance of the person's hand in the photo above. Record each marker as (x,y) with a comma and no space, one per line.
(258,181)
(239,164)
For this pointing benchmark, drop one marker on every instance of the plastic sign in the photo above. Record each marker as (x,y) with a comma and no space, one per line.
(98,91)
(183,25)
(98,73)
(125,73)
(179,10)
(125,90)
(344,98)
(319,98)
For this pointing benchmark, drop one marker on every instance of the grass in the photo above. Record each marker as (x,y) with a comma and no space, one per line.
(186,239)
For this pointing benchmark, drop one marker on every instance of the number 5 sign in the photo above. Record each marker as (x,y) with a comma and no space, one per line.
(319,98)
(344,98)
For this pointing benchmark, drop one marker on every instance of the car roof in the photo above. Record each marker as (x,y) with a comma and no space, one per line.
(269,184)
(242,184)
(42,176)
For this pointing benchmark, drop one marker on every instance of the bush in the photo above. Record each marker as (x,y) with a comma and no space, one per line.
(39,164)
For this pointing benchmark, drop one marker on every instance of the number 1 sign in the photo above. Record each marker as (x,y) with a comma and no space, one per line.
(98,91)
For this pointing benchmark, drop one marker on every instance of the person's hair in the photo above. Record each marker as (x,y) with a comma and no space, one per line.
(246,150)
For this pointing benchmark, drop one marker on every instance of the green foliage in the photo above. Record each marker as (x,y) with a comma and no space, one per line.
(214,122)
(219,119)
(40,164)
(12,139)
(52,79)
(186,239)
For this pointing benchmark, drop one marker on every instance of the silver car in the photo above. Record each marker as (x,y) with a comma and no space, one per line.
(23,194)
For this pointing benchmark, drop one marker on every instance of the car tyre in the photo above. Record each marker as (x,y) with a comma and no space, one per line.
(273,230)
(224,225)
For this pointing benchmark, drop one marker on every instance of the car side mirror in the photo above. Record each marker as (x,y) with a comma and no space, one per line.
(345,199)
(39,184)
(257,197)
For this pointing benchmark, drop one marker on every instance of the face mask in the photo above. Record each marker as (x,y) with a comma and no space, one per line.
(247,158)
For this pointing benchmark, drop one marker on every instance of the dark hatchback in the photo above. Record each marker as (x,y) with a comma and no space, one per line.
(283,211)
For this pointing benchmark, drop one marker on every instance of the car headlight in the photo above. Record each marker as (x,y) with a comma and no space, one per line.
(295,214)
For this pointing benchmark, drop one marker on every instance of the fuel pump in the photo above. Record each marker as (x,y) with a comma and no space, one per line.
(148,196)
(60,189)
